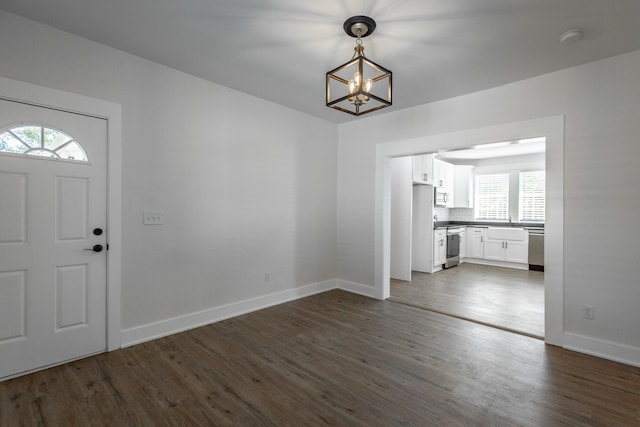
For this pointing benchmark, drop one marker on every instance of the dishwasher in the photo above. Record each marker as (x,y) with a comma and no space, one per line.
(536,249)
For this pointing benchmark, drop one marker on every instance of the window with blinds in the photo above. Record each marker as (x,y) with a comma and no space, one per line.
(531,203)
(492,196)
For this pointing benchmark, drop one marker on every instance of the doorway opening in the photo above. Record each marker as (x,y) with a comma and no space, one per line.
(552,128)
(443,260)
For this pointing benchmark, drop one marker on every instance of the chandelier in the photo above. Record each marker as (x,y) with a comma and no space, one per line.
(359,86)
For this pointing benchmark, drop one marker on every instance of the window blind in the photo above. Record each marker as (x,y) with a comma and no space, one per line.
(532,195)
(492,196)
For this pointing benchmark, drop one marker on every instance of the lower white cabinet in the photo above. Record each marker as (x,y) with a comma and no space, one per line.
(439,248)
(475,238)
(506,250)
(463,244)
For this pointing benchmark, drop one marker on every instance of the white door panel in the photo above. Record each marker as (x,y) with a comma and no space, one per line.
(13,209)
(13,287)
(52,290)
(72,209)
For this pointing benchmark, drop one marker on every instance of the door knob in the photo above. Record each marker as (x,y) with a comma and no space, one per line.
(95,248)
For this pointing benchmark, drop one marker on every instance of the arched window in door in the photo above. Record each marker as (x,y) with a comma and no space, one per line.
(38,140)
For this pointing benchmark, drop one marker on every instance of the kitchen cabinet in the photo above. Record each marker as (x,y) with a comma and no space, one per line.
(510,244)
(475,237)
(516,252)
(449,179)
(439,248)
(463,186)
(443,174)
(444,177)
(423,169)
(506,250)
(463,245)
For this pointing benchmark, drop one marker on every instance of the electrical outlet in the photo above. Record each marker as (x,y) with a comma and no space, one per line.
(267,276)
(588,311)
(153,217)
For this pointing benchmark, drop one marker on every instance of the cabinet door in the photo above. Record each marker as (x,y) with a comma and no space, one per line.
(494,249)
(417,169)
(463,245)
(427,168)
(516,252)
(475,242)
(449,176)
(438,173)
(449,183)
(442,255)
(423,169)
(463,194)
(439,248)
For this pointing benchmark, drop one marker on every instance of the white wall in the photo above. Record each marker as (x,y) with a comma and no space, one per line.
(599,102)
(247,186)
(401,209)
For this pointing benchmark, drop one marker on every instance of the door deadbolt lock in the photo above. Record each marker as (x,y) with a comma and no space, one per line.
(97,231)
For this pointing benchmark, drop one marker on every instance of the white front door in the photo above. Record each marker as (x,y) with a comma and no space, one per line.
(52,216)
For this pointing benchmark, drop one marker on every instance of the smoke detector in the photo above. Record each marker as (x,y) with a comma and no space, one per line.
(570,36)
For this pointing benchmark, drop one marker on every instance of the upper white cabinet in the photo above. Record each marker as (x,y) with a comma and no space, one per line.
(463,193)
(449,179)
(423,169)
(440,173)
(444,176)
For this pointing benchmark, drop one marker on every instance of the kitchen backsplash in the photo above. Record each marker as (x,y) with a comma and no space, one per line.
(442,213)
(458,214)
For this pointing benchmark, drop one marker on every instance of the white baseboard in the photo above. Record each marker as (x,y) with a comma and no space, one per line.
(603,349)
(493,263)
(357,288)
(172,326)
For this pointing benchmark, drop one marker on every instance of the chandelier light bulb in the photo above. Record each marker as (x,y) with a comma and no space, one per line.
(368,84)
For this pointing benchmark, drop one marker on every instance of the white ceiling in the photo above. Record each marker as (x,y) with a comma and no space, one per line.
(280,50)
(495,150)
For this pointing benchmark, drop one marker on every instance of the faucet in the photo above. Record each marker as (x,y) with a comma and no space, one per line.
(509,220)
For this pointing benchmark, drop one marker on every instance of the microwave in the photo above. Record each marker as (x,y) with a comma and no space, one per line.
(441,197)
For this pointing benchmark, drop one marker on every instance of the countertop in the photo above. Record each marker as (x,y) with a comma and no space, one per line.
(443,225)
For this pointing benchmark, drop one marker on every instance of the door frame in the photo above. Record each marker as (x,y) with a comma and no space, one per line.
(550,127)
(41,96)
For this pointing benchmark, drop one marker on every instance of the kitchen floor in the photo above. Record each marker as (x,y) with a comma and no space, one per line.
(506,298)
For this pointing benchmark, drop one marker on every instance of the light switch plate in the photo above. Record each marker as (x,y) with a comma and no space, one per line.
(153,217)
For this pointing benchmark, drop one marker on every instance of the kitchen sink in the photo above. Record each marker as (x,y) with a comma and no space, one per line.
(507,233)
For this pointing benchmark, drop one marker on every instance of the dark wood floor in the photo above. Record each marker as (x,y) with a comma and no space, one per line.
(331,359)
(504,297)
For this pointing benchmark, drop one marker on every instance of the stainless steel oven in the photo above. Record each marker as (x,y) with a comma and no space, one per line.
(453,247)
